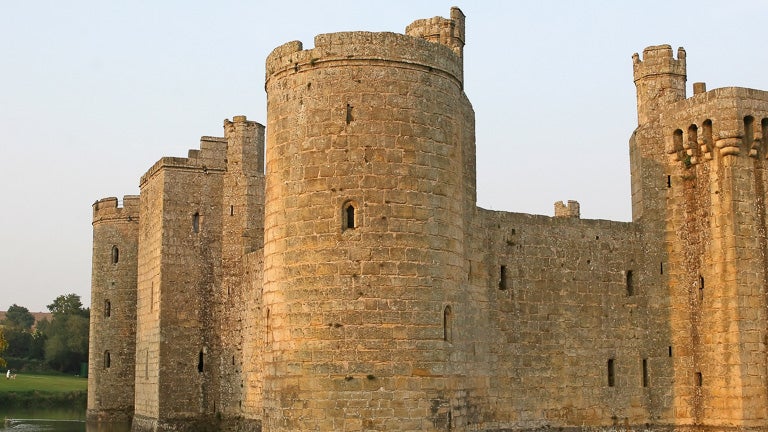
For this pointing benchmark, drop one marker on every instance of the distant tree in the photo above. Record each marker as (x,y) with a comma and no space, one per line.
(3,346)
(17,326)
(18,341)
(66,335)
(37,346)
(69,304)
(18,317)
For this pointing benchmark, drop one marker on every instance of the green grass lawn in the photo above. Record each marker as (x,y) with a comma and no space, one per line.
(46,383)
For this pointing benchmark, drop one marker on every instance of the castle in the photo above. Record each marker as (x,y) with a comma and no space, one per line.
(340,277)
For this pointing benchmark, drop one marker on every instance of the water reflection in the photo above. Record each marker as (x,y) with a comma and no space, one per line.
(35,425)
(52,420)
(48,425)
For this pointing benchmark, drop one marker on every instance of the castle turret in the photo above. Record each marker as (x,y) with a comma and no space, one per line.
(449,32)
(699,188)
(364,233)
(660,80)
(660,83)
(111,360)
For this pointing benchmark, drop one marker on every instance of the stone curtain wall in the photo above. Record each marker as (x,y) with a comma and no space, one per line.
(565,299)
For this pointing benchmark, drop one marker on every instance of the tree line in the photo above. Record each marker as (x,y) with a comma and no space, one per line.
(59,344)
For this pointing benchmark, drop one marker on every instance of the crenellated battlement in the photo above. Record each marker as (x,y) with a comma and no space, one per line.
(570,210)
(240,128)
(449,32)
(110,209)
(659,79)
(364,48)
(657,60)
(245,146)
(210,157)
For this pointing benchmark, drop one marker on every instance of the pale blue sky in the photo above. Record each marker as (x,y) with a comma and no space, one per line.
(92,93)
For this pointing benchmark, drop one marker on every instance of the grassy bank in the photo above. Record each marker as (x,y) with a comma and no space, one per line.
(43,391)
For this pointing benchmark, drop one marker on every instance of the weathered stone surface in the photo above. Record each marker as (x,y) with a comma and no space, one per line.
(341,277)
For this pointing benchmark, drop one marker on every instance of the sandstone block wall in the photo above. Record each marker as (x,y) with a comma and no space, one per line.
(242,230)
(364,232)
(568,340)
(181,202)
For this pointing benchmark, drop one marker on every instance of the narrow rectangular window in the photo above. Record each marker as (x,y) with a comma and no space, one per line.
(749,132)
(348,216)
(701,288)
(645,372)
(447,326)
(669,348)
(764,125)
(503,277)
(630,284)
(661,268)
(699,379)
(611,373)
(196,222)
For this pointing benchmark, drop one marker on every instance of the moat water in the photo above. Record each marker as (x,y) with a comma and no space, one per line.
(50,420)
(31,419)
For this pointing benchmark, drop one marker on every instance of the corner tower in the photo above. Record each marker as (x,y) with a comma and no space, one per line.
(716,241)
(111,357)
(699,192)
(365,214)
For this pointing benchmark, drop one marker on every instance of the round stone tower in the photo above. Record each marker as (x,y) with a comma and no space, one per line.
(370,181)
(112,338)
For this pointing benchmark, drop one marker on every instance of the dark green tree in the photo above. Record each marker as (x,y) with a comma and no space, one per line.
(18,317)
(17,326)
(3,346)
(18,341)
(37,346)
(66,335)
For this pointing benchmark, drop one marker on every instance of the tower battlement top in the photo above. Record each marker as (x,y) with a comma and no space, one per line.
(570,210)
(447,31)
(659,60)
(110,209)
(434,43)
